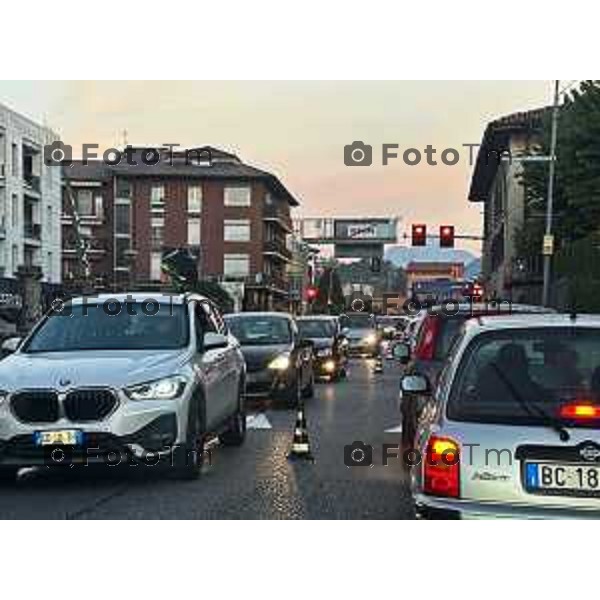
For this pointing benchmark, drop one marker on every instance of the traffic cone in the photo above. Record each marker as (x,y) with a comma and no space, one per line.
(300,443)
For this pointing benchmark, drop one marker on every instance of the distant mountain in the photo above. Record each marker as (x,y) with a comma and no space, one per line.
(400,256)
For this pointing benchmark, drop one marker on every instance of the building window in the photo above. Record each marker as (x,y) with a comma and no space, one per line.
(155,264)
(15,160)
(123,188)
(157,197)
(236,265)
(122,219)
(85,206)
(122,247)
(15,210)
(15,257)
(194,199)
(99,206)
(193,232)
(237,196)
(237,230)
(158,229)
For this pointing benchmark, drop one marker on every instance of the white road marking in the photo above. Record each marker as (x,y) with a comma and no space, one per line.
(258,421)
(397,429)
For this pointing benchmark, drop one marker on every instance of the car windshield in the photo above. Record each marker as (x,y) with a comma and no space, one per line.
(523,376)
(358,321)
(316,328)
(260,331)
(92,327)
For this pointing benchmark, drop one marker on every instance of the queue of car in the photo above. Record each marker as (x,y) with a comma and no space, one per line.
(505,420)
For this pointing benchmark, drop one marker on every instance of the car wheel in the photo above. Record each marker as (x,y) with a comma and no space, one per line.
(191,456)
(236,433)
(8,474)
(309,390)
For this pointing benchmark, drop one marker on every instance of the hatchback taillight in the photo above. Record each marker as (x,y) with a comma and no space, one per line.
(425,348)
(441,468)
(580,411)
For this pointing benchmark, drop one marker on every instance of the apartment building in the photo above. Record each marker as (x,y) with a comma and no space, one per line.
(234,218)
(496,184)
(30,198)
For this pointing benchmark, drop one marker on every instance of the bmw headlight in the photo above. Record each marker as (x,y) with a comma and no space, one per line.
(324,352)
(280,363)
(371,339)
(159,389)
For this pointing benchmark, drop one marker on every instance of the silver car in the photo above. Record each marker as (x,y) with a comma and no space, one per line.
(144,378)
(512,428)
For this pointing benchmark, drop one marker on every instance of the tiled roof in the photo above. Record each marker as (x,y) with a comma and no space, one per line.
(224,166)
(496,139)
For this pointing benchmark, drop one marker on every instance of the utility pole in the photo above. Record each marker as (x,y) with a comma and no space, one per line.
(548,247)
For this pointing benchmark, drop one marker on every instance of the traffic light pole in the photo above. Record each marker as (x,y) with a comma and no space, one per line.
(550,204)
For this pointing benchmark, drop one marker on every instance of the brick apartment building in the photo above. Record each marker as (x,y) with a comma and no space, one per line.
(234,218)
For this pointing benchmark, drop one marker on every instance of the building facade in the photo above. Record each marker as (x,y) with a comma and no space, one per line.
(234,219)
(426,272)
(496,183)
(30,199)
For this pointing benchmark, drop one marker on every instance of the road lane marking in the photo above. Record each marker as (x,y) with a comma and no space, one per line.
(258,421)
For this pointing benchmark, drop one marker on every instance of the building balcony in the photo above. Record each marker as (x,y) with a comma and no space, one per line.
(278,216)
(32,183)
(277,250)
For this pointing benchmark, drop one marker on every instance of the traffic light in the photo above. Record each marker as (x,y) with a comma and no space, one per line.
(311,293)
(447,236)
(419,235)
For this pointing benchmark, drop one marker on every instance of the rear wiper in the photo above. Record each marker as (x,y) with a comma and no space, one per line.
(531,410)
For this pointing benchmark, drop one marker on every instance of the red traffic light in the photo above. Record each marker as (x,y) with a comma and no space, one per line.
(447,236)
(419,235)
(311,293)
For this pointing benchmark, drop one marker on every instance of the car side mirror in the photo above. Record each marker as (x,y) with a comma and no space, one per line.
(214,341)
(414,384)
(401,352)
(11,345)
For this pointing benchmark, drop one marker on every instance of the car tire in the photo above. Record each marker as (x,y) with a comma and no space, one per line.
(8,474)
(309,390)
(236,432)
(194,448)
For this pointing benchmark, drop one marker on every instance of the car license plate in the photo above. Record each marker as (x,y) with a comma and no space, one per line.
(58,437)
(573,478)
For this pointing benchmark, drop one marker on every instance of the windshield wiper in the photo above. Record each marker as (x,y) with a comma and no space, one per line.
(531,409)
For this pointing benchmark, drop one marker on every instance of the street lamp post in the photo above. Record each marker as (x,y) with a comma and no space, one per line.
(548,247)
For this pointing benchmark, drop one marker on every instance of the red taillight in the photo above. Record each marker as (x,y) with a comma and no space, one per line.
(441,468)
(425,348)
(580,411)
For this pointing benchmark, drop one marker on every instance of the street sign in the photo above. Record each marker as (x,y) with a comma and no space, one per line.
(548,245)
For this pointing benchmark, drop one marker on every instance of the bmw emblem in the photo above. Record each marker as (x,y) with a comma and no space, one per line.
(64,382)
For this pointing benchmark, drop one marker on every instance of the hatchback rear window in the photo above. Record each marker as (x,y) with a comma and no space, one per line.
(527,375)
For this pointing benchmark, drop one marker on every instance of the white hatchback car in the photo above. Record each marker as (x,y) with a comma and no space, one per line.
(512,428)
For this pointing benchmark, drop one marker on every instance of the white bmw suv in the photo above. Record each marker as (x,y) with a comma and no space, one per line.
(131,377)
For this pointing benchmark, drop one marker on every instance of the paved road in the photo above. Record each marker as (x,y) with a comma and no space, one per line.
(255,481)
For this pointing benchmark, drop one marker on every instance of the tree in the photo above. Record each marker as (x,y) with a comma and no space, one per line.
(577,176)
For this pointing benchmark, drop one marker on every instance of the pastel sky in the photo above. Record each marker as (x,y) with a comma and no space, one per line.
(298,130)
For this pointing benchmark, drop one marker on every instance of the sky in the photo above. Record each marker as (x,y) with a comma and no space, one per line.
(298,130)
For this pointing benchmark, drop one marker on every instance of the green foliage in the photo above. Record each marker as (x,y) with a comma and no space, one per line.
(577,176)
